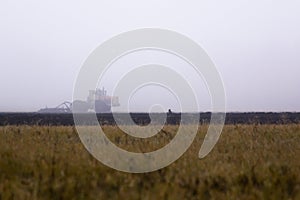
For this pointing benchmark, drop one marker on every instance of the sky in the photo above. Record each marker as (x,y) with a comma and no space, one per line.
(255,46)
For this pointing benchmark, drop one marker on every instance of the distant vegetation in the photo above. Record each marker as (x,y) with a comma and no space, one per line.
(248,162)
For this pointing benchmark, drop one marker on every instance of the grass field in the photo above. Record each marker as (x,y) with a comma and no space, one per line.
(248,162)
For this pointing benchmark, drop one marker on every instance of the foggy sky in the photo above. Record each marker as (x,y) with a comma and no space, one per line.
(254,44)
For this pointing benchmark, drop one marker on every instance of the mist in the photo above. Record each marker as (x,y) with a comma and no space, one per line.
(255,46)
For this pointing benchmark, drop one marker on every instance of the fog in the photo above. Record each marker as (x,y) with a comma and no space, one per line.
(255,46)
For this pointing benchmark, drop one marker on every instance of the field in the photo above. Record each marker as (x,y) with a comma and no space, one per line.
(248,162)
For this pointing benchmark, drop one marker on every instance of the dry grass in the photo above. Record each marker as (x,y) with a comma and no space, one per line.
(248,162)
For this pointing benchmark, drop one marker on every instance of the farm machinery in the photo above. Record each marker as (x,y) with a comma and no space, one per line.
(97,101)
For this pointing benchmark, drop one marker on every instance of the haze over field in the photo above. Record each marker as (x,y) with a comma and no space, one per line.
(254,44)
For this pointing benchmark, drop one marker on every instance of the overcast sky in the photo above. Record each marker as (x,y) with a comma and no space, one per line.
(254,44)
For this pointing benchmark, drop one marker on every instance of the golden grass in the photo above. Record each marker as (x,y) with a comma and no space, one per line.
(248,162)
